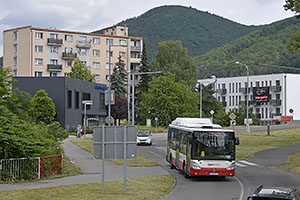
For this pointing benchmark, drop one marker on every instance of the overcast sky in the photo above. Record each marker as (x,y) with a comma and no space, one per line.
(90,15)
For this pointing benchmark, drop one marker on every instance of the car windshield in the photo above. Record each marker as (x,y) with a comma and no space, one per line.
(145,133)
(213,145)
(267,198)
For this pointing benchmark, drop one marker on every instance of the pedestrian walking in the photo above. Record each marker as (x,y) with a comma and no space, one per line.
(78,131)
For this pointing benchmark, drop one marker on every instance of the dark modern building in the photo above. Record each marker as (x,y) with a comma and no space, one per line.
(68,95)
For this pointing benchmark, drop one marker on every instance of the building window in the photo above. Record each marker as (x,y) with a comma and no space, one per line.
(122,54)
(38,61)
(69,103)
(109,41)
(38,48)
(38,74)
(15,35)
(270,83)
(236,87)
(266,113)
(97,77)
(232,87)
(229,87)
(54,49)
(229,100)
(68,38)
(122,42)
(236,100)
(107,65)
(96,40)
(54,35)
(68,63)
(86,96)
(96,65)
(96,52)
(82,38)
(68,50)
(257,84)
(82,52)
(77,100)
(233,100)
(38,35)
(53,61)
(107,54)
(53,74)
(277,82)
(102,101)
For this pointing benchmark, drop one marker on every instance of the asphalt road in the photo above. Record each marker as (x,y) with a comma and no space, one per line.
(249,174)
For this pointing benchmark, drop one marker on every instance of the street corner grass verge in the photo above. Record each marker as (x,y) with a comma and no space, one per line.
(251,143)
(293,164)
(141,161)
(150,187)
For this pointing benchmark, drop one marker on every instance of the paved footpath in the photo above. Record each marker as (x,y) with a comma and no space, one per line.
(90,168)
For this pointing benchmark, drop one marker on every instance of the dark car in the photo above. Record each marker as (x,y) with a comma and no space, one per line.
(275,193)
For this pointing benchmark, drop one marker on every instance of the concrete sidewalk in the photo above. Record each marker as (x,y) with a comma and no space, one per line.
(90,168)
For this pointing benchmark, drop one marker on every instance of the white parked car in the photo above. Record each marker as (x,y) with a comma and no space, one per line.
(144,137)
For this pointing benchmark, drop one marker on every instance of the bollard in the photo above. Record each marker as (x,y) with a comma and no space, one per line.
(268,129)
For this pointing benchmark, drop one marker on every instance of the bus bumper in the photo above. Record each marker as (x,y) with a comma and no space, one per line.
(211,172)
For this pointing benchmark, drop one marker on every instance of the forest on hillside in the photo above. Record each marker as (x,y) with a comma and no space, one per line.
(265,46)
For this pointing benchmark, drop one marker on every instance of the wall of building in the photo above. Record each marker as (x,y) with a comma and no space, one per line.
(57,89)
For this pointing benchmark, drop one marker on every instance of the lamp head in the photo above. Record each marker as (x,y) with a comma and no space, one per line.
(237,62)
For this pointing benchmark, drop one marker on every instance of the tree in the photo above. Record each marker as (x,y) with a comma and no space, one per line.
(294,41)
(119,78)
(209,102)
(120,110)
(172,57)
(293,5)
(6,82)
(42,107)
(145,78)
(81,72)
(167,100)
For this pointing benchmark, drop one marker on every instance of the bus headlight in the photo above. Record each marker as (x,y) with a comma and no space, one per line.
(195,165)
(231,166)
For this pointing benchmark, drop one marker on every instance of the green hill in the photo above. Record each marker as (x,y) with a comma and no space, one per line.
(266,46)
(199,31)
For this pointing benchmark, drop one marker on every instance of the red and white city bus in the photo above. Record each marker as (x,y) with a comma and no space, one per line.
(200,148)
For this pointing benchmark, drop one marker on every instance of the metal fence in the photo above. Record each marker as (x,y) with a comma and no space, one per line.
(30,168)
(19,168)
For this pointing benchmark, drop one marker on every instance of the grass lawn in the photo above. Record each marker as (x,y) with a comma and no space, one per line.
(251,143)
(293,164)
(141,161)
(153,187)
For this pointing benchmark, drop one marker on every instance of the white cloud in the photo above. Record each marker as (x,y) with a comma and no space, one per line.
(90,15)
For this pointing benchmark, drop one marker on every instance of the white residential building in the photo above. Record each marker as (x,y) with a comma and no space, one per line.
(273,97)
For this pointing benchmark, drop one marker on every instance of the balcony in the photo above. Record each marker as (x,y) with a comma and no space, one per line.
(54,42)
(135,48)
(54,67)
(244,90)
(276,88)
(222,91)
(69,56)
(83,44)
(275,102)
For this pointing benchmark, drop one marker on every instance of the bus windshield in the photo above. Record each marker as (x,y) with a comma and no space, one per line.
(213,145)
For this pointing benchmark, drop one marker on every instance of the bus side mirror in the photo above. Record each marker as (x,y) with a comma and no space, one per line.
(237,141)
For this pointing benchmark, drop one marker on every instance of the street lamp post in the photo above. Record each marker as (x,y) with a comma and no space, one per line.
(247,96)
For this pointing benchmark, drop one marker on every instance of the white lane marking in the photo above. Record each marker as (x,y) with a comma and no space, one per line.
(242,188)
(240,165)
(247,163)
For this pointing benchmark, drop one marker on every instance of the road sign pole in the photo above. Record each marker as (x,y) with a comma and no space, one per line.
(103,160)
(125,157)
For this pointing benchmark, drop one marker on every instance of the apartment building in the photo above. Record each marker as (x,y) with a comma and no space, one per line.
(39,52)
(273,97)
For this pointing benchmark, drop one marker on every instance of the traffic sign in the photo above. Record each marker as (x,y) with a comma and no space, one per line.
(156,118)
(109,120)
(232,116)
(212,112)
(291,110)
(232,122)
